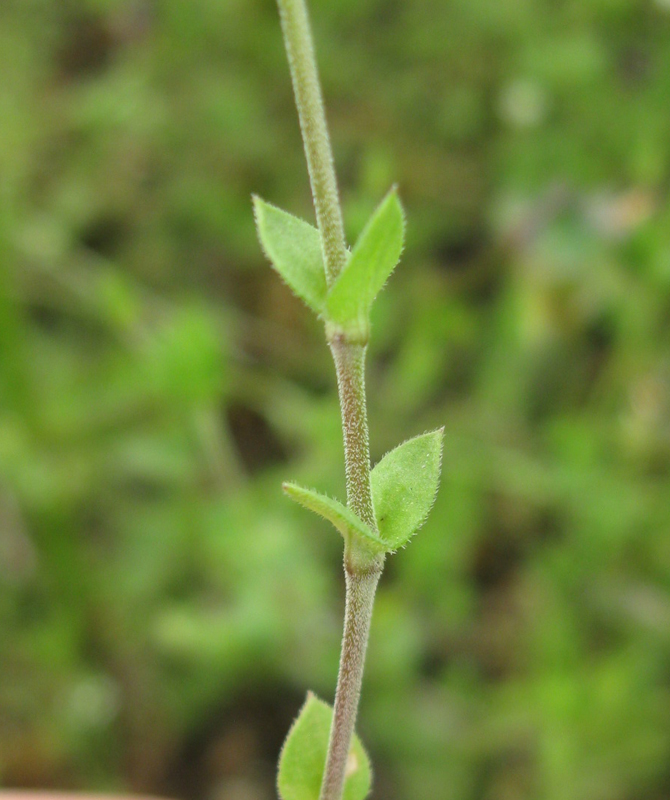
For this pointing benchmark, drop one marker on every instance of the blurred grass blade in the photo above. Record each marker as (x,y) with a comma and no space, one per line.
(303,757)
(372,261)
(294,248)
(343,518)
(404,485)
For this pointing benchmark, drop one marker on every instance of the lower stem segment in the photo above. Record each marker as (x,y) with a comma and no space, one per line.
(362,569)
(361,589)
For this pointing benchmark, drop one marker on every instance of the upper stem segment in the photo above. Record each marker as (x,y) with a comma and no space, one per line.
(307,90)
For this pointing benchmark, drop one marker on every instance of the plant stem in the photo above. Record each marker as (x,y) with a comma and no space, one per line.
(308,99)
(362,570)
(350,368)
(357,616)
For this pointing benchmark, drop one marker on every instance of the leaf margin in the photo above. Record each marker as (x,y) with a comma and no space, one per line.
(312,292)
(344,295)
(400,542)
(339,515)
(314,703)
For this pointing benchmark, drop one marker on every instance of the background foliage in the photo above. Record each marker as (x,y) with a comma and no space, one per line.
(162,607)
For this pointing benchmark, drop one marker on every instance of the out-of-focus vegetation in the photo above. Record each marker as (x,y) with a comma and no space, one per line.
(162,607)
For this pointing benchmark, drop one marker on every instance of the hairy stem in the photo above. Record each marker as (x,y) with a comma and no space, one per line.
(361,568)
(350,368)
(357,616)
(307,90)
(362,571)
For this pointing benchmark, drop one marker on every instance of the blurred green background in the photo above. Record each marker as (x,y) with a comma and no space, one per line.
(163,608)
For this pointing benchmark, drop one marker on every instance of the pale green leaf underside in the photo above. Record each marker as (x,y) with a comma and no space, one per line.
(343,518)
(404,485)
(372,260)
(303,757)
(294,248)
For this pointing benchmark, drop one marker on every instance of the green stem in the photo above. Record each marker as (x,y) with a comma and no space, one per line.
(357,617)
(361,568)
(307,90)
(350,368)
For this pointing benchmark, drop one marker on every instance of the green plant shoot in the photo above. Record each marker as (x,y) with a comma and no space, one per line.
(322,758)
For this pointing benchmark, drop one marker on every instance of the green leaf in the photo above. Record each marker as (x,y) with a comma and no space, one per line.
(372,260)
(294,248)
(343,518)
(404,485)
(303,757)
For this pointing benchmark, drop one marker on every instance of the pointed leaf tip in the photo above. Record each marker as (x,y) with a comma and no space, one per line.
(372,261)
(404,486)
(303,757)
(294,249)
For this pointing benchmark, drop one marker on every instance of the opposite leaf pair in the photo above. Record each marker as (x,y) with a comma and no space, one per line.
(304,755)
(404,484)
(294,248)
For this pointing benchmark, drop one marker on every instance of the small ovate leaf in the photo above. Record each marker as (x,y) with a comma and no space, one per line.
(404,485)
(343,518)
(294,248)
(303,757)
(372,260)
